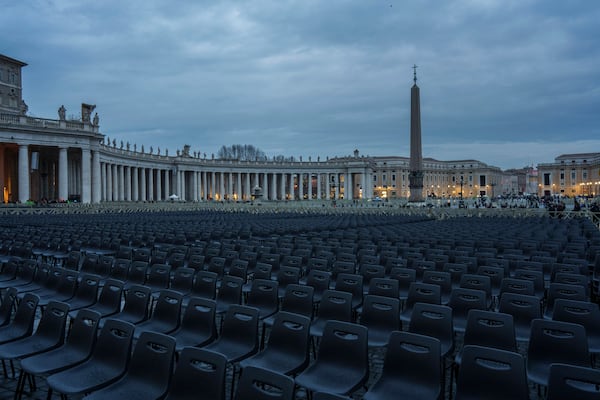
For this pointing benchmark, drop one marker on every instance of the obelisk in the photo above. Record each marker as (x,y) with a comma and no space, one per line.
(415,178)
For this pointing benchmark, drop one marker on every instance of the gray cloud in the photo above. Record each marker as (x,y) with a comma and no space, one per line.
(320,78)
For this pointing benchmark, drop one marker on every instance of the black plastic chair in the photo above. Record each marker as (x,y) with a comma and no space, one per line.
(205,286)
(107,364)
(50,333)
(264,296)
(380,315)
(319,281)
(336,305)
(149,372)
(434,320)
(287,275)
(353,284)
(230,293)
(198,368)
(419,292)
(198,326)
(8,304)
(24,275)
(562,291)
(109,301)
(583,313)
(443,280)
(77,348)
(65,290)
(573,382)
(260,384)
(136,307)
(411,370)
(462,301)
(405,277)
(493,374)
(520,286)
(166,315)
(86,293)
(22,323)
(137,274)
(183,280)
(555,342)
(342,363)
(159,278)
(287,351)
(298,299)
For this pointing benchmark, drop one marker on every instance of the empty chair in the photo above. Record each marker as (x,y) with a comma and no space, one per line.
(109,301)
(230,293)
(6,307)
(183,280)
(205,286)
(478,282)
(64,290)
(285,276)
(381,316)
(264,296)
(152,350)
(494,374)
(462,301)
(537,277)
(198,368)
(420,293)
(555,342)
(583,313)
(434,320)
(107,364)
(86,293)
(342,364)
(562,291)
(76,349)
(573,279)
(136,307)
(524,309)
(166,314)
(298,299)
(404,276)
(442,279)
(23,276)
(456,271)
(22,323)
(334,305)
(520,286)
(137,274)
(369,272)
(159,278)
(260,384)
(411,369)
(384,287)
(198,326)
(319,281)
(573,382)
(287,351)
(49,334)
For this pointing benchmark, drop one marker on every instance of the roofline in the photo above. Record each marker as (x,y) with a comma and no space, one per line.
(12,60)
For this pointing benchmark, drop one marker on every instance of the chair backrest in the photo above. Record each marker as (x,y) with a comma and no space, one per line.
(336,305)
(239,268)
(557,342)
(344,346)
(217,265)
(261,384)
(573,382)
(159,276)
(433,320)
(520,286)
(490,329)
(52,325)
(199,317)
(319,280)
(152,360)
(288,274)
(440,278)
(380,312)
(87,288)
(563,291)
(491,374)
(83,332)
(205,284)
(419,292)
(415,360)
(198,368)
(113,346)
(298,299)
(196,262)
(183,279)
(137,302)
(111,294)
(168,307)
(289,337)
(7,305)
(240,325)
(477,282)
(584,313)
(25,314)
(120,269)
(384,287)
(231,290)
(351,283)
(68,283)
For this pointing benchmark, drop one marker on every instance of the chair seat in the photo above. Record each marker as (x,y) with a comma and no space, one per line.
(336,381)
(84,379)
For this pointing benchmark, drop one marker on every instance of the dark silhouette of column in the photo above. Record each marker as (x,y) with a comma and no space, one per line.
(416,156)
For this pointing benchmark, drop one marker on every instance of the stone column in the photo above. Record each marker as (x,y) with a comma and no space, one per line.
(348,193)
(230,186)
(282,186)
(301,186)
(143,192)
(291,188)
(194,186)
(135,184)
(96,178)
(86,176)
(115,175)
(109,182)
(24,173)
(121,169)
(273,186)
(159,188)
(150,184)
(238,185)
(266,186)
(221,185)
(167,184)
(63,173)
(319,186)
(363,184)
(128,183)
(336,182)
(248,191)
(213,177)
(310,191)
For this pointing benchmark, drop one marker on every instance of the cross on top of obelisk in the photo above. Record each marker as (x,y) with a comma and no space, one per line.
(415,73)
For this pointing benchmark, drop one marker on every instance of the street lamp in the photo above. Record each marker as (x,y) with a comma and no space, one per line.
(461,203)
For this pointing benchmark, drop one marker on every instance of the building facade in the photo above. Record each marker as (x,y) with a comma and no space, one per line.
(570,175)
(64,159)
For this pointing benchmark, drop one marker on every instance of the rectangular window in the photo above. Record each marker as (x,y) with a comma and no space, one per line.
(394,177)
(573,175)
(584,175)
(546,179)
(482,180)
(383,178)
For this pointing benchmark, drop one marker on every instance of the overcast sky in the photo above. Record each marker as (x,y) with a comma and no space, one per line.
(507,82)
